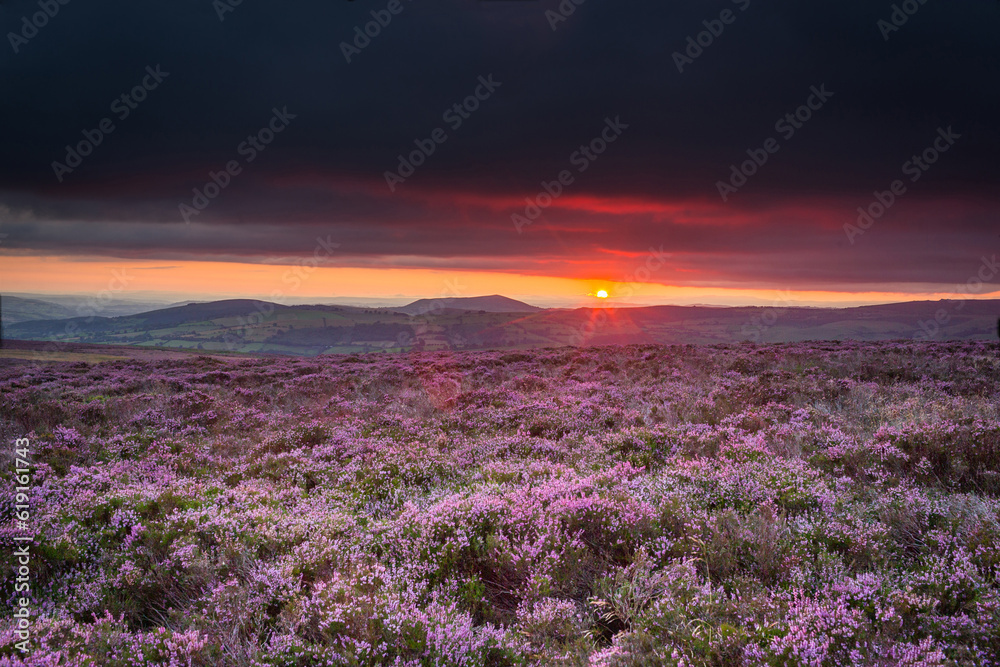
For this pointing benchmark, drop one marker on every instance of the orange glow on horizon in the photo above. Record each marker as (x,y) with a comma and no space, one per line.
(209,280)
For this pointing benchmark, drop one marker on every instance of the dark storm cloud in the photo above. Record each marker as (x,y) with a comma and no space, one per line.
(324,172)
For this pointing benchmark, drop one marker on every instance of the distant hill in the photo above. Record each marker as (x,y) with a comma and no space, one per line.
(495,322)
(196,312)
(231,312)
(23,307)
(489,304)
(16,309)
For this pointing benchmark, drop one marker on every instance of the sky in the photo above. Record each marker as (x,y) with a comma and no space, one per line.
(711,152)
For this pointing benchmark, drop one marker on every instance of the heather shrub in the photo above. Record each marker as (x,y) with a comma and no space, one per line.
(811,504)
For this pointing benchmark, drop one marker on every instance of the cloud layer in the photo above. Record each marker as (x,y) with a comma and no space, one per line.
(545,112)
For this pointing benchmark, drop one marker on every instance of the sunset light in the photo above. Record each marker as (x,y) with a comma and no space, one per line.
(508,334)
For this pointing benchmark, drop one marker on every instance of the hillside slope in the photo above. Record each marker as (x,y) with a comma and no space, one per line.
(257,326)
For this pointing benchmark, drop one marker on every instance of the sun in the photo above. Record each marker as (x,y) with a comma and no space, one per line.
(602,294)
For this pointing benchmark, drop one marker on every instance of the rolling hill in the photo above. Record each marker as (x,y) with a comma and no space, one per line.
(251,326)
(14,309)
(18,308)
(488,304)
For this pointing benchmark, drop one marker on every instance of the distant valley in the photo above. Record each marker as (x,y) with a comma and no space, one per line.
(490,322)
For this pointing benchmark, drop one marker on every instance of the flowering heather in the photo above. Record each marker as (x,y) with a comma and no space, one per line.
(811,505)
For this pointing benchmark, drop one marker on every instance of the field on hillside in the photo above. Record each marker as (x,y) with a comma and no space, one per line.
(258,327)
(809,504)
